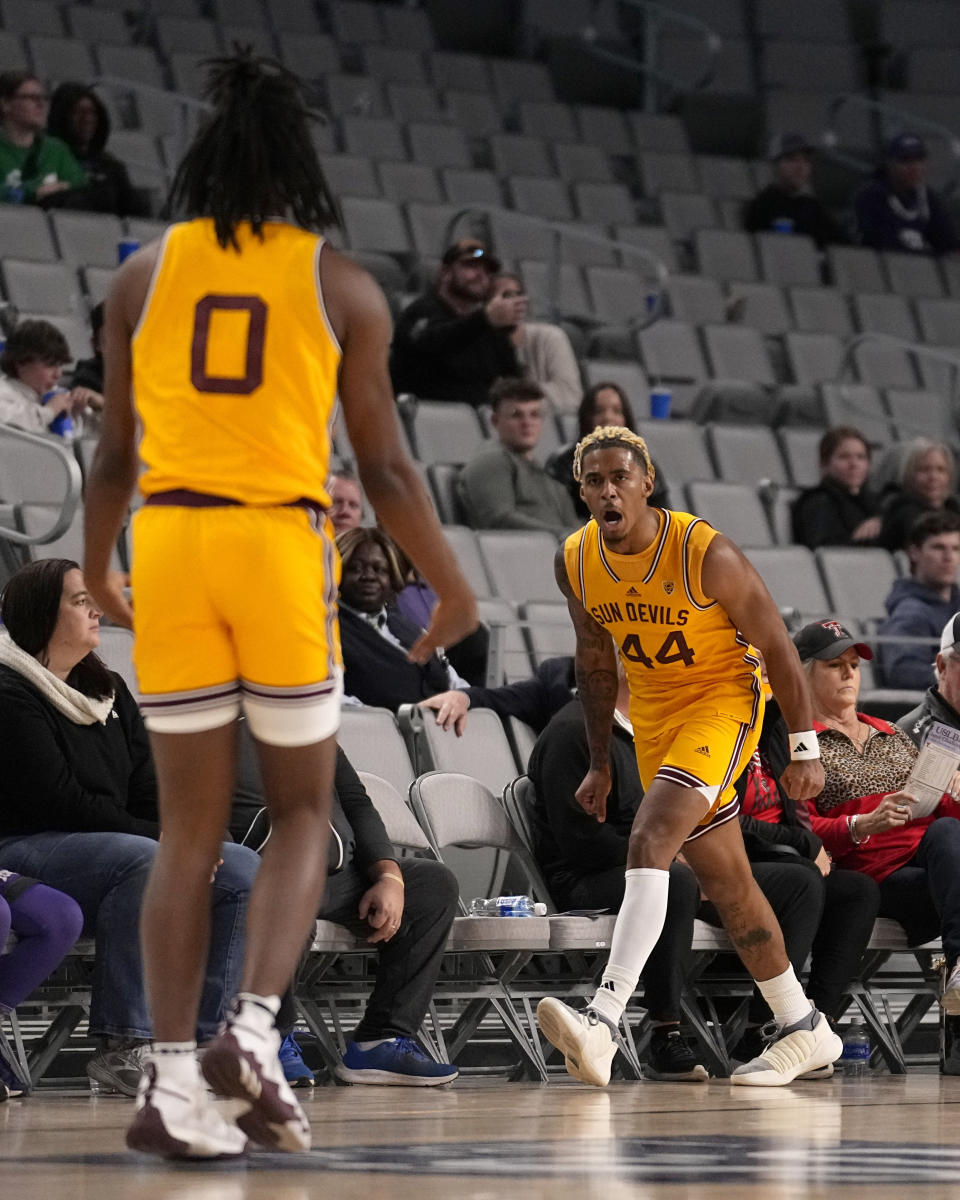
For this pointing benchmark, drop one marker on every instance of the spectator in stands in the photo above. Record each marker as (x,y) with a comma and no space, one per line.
(927,483)
(864,817)
(788,203)
(602,404)
(78,807)
(841,510)
(918,607)
(88,373)
(941,701)
(368,888)
(35,168)
(32,362)
(346,495)
(374,636)
(417,600)
(78,118)
(583,861)
(452,342)
(897,210)
(533,701)
(502,487)
(543,350)
(776,829)
(46,923)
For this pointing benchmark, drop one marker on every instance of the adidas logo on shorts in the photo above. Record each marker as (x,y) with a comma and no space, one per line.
(705,750)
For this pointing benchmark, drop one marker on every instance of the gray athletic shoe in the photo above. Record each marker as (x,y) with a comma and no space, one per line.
(798,1050)
(117,1070)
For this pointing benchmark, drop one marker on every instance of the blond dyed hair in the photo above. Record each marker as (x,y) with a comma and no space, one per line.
(612,435)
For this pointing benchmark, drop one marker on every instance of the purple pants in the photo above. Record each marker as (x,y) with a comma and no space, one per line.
(46,922)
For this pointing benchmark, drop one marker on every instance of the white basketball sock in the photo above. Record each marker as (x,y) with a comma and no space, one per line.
(639,925)
(784,993)
(176,1064)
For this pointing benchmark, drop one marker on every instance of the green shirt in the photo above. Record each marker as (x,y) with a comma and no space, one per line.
(49,159)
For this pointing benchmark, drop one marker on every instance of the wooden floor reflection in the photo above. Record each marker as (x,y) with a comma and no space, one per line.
(883,1138)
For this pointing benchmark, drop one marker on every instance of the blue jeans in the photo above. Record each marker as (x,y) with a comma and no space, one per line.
(106,874)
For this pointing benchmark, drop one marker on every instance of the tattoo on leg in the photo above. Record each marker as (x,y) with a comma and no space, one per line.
(750,939)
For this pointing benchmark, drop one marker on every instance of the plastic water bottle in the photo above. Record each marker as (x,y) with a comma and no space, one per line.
(507,906)
(855,1060)
(13,192)
(61,425)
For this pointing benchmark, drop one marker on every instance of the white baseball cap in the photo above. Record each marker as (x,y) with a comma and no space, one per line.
(951,633)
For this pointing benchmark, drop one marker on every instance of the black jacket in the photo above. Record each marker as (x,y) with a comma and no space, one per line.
(356,821)
(916,723)
(57,776)
(379,674)
(808,214)
(827,515)
(439,355)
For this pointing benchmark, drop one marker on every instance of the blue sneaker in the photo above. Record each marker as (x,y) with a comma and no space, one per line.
(399,1062)
(295,1070)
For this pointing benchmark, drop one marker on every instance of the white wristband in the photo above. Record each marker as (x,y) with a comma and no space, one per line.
(803,746)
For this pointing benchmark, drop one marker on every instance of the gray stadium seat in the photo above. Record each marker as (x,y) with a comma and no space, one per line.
(858,579)
(576,161)
(13,55)
(738,352)
(680,448)
(471,185)
(354,94)
(25,233)
(607,203)
(746,455)
(573,297)
(371,740)
(762,306)
(446,432)
(309,55)
(116,650)
(792,578)
(652,238)
(605,128)
(549,119)
(726,255)
(87,239)
(520,154)
(376,137)
(516,79)
(508,646)
(884,366)
(671,351)
(402,181)
(859,405)
(59,58)
(351,175)
(856,269)
(41,287)
(414,102)
(393,64)
(96,282)
(884,312)
(788,259)
(438,145)
(482,752)
(920,414)
(820,310)
(406,27)
(939,321)
(686,212)
(454,69)
(93,25)
(519,563)
(550,630)
(914,275)
(181,34)
(293,16)
(474,113)
(443,484)
(40,16)
(801,452)
(547,198)
(355,21)
(696,298)
(658,132)
(734,508)
(668,172)
(466,550)
(374,225)
(627,375)
(813,357)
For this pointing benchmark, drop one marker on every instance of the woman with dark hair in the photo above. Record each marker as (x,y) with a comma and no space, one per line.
(78,807)
(604,403)
(841,510)
(79,118)
(32,362)
(375,637)
(35,168)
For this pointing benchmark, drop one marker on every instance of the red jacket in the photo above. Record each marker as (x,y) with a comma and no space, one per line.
(882,853)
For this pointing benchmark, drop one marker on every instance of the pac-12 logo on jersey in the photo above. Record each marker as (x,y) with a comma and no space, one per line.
(669,586)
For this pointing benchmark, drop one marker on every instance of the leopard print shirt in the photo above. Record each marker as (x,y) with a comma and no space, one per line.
(883,767)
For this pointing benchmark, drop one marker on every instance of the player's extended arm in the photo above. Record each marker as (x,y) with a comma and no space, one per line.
(731,579)
(596,667)
(392,484)
(113,475)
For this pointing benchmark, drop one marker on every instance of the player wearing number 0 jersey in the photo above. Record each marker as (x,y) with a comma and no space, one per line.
(229,341)
(684,607)
(696,703)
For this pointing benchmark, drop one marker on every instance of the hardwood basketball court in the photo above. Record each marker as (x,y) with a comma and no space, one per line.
(882,1137)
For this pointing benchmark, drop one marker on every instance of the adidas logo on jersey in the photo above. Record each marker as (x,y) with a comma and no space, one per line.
(632,591)
(705,750)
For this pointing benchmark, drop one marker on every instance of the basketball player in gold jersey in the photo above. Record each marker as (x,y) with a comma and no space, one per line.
(685,609)
(229,339)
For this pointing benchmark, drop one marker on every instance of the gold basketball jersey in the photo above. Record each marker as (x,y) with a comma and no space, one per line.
(679,648)
(235,366)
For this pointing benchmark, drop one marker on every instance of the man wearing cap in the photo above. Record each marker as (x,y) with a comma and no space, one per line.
(897,210)
(917,607)
(452,342)
(941,701)
(788,204)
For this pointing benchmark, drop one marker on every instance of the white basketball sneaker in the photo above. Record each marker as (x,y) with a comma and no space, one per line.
(800,1049)
(175,1122)
(585,1039)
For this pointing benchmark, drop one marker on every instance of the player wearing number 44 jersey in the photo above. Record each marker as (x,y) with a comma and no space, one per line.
(229,339)
(685,609)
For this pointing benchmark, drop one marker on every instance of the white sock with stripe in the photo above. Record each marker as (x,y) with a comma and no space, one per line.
(638,928)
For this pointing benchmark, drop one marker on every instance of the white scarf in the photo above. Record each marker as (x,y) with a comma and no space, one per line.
(75,706)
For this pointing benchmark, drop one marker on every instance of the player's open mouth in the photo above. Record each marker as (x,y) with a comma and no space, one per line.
(611,518)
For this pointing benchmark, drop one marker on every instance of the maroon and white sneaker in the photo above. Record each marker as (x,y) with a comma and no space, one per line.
(175,1123)
(242,1064)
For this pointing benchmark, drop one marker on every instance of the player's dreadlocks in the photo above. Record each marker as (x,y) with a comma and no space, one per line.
(252,158)
(613,435)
